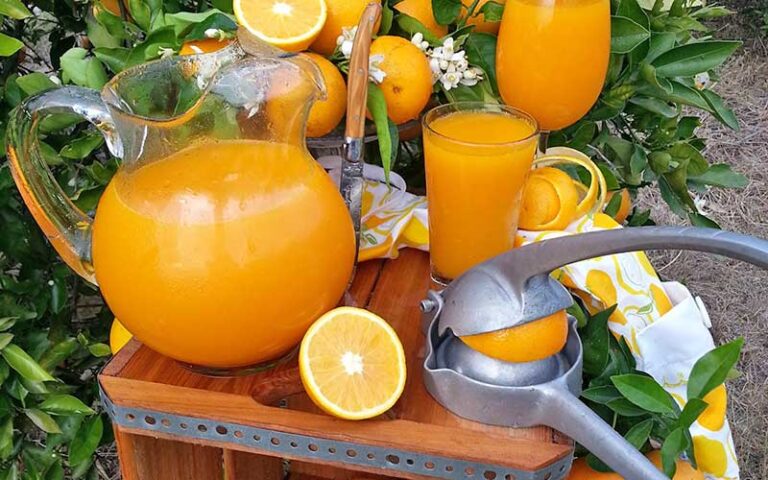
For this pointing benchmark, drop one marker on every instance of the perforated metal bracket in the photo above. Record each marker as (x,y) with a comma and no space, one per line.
(310,448)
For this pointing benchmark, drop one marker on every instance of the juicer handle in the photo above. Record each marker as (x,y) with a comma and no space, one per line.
(545,256)
(66,226)
(576,420)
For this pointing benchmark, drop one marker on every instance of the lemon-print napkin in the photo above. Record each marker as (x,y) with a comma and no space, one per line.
(666,328)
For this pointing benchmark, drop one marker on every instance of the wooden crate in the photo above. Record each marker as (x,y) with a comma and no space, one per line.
(174,424)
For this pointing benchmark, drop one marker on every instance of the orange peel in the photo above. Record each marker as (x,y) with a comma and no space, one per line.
(552,199)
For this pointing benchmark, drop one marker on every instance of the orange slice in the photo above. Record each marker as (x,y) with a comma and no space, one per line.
(288,24)
(352,364)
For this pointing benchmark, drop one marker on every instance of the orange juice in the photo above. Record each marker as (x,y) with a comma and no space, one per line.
(476,164)
(223,254)
(552,57)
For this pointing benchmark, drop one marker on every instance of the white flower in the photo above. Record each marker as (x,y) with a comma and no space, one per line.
(165,52)
(471,76)
(450,80)
(346,40)
(701,80)
(215,33)
(55,79)
(450,67)
(418,40)
(375,73)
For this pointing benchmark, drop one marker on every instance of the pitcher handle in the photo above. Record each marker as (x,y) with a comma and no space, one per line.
(66,226)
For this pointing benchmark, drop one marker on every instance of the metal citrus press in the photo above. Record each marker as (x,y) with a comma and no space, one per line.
(515,288)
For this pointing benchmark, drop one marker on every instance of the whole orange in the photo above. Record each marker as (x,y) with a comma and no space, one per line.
(581,471)
(340,13)
(479,21)
(326,114)
(422,11)
(408,82)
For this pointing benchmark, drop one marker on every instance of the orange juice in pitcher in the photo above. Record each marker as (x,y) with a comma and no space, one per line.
(219,240)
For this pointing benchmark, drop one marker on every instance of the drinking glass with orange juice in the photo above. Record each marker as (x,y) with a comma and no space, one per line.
(552,57)
(477,158)
(220,239)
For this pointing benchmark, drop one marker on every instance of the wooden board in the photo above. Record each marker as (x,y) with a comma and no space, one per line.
(140,378)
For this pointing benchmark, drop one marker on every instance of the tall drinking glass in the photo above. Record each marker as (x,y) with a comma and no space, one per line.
(477,158)
(552,57)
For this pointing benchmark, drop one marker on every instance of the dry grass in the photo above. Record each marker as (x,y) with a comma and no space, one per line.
(735,292)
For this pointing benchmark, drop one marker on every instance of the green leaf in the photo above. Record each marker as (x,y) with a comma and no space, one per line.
(492,11)
(86,440)
(724,114)
(578,313)
(660,43)
(99,350)
(412,26)
(182,21)
(141,13)
(612,208)
(446,11)
(685,153)
(639,433)
(43,421)
(9,45)
(481,52)
(693,408)
(626,34)
(387,18)
(625,408)
(6,438)
(35,83)
(5,339)
(693,58)
(116,59)
(82,70)
(675,444)
(25,365)
(83,146)
(595,338)
(602,394)
(711,369)
(377,106)
(710,12)
(720,175)
(644,392)
(219,21)
(655,105)
(14,9)
(59,404)
(58,353)
(632,10)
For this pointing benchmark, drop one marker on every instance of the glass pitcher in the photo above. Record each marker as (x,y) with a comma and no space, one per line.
(220,239)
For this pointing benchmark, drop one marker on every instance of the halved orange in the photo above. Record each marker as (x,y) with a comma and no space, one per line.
(288,24)
(352,364)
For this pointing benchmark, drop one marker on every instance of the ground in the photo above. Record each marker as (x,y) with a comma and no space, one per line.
(735,292)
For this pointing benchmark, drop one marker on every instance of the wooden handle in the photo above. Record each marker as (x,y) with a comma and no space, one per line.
(357,79)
